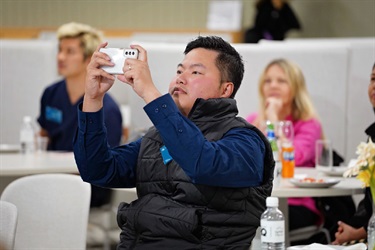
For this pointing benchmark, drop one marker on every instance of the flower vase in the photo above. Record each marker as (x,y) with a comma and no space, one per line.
(364,169)
(371,223)
(371,232)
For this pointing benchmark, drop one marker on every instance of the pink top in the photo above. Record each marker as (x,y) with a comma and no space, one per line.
(305,135)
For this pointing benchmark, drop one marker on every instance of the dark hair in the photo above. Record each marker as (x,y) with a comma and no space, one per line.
(260,3)
(228,61)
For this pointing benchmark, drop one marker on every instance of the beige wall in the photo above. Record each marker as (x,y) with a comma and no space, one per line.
(336,18)
(320,18)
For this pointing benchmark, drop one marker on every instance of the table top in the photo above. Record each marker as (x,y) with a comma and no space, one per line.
(17,164)
(346,186)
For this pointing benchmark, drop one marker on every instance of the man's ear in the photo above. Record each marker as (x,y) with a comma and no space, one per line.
(227,89)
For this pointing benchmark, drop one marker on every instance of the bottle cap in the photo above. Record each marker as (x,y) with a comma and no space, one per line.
(272,202)
(26,119)
(270,124)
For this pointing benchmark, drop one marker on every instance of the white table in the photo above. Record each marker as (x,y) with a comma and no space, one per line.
(347,186)
(15,165)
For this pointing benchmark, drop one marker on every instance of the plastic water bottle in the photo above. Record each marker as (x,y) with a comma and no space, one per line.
(272,225)
(27,136)
(371,233)
(275,151)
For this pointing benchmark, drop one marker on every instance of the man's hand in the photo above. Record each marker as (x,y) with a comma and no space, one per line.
(137,75)
(98,82)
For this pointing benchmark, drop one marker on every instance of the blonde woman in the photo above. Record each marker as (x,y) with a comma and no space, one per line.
(283,96)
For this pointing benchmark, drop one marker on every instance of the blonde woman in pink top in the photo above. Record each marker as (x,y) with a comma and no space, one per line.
(283,96)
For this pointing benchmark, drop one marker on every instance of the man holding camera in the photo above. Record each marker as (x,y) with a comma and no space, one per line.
(202,173)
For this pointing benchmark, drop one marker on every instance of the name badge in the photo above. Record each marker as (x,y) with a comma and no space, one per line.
(165,155)
(54,114)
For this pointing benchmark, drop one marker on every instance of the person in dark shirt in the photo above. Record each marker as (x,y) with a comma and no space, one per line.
(356,228)
(274,18)
(202,173)
(58,115)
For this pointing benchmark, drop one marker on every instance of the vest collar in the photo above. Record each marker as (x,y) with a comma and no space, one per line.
(213,108)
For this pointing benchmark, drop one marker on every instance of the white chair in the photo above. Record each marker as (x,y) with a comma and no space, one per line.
(103,229)
(8,224)
(52,211)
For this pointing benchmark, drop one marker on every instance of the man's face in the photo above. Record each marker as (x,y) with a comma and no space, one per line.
(70,59)
(197,77)
(371,88)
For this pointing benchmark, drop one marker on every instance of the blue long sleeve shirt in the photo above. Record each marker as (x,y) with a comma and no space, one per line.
(236,160)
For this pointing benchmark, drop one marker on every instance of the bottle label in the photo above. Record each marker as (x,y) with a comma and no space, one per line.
(272,231)
(288,155)
(277,174)
(26,136)
(275,156)
(287,160)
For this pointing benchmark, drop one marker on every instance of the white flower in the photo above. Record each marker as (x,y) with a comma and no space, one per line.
(365,162)
(353,171)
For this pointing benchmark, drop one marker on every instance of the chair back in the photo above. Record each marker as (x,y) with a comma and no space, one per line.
(52,211)
(8,224)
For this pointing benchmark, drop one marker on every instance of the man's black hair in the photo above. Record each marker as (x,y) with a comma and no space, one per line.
(229,62)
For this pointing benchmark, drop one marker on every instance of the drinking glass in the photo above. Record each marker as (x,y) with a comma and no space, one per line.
(285,132)
(41,144)
(323,155)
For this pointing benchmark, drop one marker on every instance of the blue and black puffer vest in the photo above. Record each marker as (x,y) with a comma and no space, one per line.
(173,213)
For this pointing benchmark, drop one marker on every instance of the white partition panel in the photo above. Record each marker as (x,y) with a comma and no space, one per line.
(324,68)
(337,75)
(163,59)
(26,68)
(352,40)
(359,114)
(359,110)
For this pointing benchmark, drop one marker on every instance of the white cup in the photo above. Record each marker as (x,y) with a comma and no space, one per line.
(323,154)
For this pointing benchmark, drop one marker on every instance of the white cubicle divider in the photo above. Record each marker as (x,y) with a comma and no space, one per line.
(337,75)
(321,66)
(26,68)
(163,59)
(359,114)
